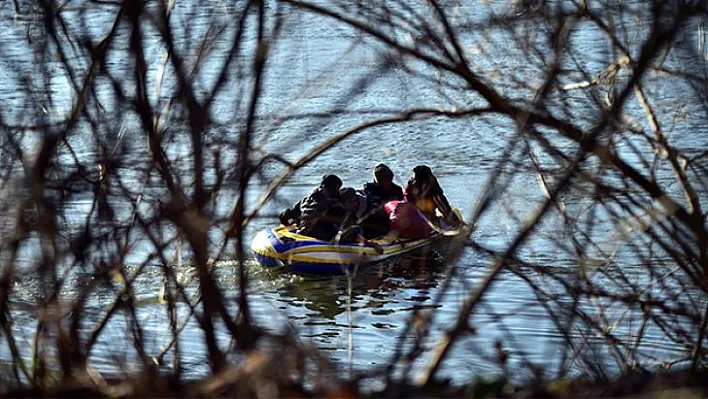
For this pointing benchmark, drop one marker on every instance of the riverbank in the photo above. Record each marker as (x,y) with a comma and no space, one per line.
(255,378)
(679,384)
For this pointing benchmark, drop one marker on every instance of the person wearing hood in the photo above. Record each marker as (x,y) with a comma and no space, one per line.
(320,213)
(424,191)
(358,210)
(383,186)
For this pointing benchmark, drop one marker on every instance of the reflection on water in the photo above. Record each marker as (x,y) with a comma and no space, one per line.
(326,296)
(357,319)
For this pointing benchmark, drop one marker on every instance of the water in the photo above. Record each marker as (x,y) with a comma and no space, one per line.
(314,68)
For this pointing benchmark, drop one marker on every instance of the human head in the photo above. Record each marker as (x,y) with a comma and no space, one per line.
(348,197)
(383,175)
(422,173)
(331,184)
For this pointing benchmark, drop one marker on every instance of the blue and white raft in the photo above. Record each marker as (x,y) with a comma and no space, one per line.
(282,247)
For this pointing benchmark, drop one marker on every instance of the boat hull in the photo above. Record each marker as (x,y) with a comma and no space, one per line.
(281,247)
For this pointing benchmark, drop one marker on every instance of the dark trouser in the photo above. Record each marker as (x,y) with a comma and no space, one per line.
(376,225)
(324,231)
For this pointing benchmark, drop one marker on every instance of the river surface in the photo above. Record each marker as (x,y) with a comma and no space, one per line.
(315,67)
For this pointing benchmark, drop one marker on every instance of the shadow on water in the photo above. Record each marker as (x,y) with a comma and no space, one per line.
(326,296)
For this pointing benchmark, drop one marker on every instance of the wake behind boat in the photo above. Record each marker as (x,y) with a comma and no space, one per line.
(282,247)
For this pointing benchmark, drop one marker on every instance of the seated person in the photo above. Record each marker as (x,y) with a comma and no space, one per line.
(424,191)
(406,220)
(357,218)
(368,213)
(383,186)
(319,214)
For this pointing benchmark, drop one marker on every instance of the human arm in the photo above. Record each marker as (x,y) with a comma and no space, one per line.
(290,215)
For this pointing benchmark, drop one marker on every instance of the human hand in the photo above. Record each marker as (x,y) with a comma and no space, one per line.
(378,248)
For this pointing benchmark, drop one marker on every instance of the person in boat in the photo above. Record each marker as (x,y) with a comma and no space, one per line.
(406,220)
(320,213)
(359,209)
(370,214)
(383,186)
(424,191)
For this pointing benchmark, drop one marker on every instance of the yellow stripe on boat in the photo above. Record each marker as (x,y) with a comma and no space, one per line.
(282,246)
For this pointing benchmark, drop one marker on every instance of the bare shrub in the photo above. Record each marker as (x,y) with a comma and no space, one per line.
(135,130)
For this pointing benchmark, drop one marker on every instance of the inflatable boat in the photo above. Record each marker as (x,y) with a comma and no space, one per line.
(282,247)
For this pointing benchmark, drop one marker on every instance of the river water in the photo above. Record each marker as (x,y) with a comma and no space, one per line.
(316,67)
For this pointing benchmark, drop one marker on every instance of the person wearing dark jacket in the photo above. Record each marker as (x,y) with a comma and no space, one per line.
(383,186)
(320,213)
(424,191)
(359,209)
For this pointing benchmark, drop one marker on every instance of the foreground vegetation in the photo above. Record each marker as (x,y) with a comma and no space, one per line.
(117,149)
